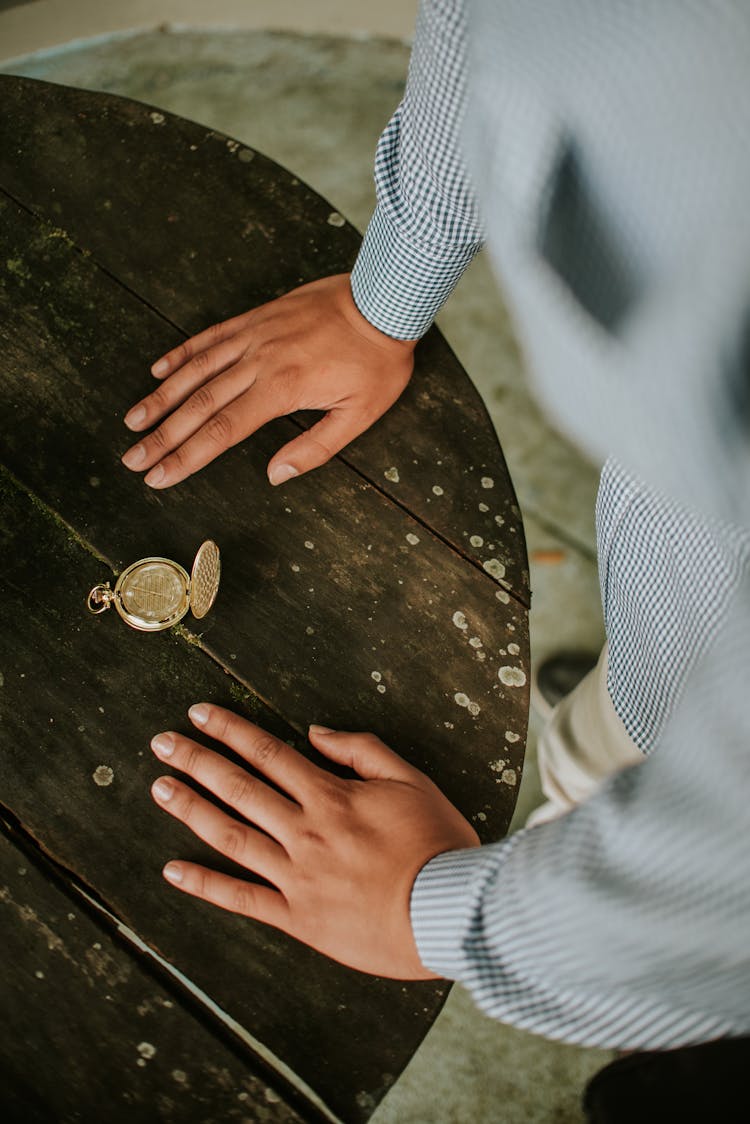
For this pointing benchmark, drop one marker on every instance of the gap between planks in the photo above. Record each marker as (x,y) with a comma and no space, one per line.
(192,998)
(374,484)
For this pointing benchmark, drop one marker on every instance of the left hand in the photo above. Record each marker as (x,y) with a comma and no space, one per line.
(341,855)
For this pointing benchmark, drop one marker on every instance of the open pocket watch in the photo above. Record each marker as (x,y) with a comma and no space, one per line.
(155,593)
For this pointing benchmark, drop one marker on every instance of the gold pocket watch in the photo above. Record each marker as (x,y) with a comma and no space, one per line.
(155,593)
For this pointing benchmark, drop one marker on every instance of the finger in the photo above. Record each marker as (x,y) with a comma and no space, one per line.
(318,444)
(184,352)
(237,788)
(370,758)
(248,412)
(200,408)
(172,392)
(233,894)
(269,755)
(242,844)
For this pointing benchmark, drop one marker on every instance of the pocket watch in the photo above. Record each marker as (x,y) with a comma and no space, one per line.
(155,593)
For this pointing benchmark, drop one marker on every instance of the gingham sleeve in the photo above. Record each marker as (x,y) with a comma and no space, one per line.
(426,226)
(620,925)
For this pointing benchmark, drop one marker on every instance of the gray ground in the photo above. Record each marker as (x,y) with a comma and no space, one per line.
(317,105)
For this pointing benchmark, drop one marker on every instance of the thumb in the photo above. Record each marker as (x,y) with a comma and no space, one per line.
(316,445)
(370,758)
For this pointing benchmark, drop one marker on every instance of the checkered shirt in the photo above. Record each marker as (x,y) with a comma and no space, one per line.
(609,173)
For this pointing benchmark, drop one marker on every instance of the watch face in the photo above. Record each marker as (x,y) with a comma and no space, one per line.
(152,594)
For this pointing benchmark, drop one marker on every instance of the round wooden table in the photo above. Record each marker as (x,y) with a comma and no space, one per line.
(387,591)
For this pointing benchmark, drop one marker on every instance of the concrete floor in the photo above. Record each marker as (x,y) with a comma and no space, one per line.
(316,103)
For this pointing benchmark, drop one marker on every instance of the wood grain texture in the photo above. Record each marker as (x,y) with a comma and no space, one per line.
(204,228)
(347,598)
(89,1032)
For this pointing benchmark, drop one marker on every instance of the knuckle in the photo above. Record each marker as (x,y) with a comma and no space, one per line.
(322,450)
(241,788)
(160,399)
(158,438)
(219,429)
(192,759)
(215,331)
(187,806)
(202,401)
(181,354)
(201,362)
(266,750)
(233,842)
(242,899)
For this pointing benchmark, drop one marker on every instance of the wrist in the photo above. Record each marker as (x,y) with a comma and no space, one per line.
(369,331)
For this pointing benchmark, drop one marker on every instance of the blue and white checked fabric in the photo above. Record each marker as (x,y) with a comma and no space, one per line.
(607,143)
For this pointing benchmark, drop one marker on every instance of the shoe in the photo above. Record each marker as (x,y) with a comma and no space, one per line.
(556,677)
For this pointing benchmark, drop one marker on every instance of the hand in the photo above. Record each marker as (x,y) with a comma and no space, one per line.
(341,855)
(309,350)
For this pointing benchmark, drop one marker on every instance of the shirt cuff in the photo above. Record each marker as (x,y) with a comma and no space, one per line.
(400,286)
(445,901)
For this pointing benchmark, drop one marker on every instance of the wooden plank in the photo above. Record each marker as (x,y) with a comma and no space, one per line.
(80,704)
(321,587)
(90,1033)
(203,228)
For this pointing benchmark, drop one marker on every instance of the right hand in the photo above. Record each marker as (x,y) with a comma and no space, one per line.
(311,349)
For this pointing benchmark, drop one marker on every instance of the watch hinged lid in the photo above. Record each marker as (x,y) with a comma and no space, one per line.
(204,578)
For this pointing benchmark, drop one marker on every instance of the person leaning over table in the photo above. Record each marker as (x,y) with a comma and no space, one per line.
(607,146)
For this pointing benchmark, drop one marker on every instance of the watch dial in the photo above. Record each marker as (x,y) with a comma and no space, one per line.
(154,592)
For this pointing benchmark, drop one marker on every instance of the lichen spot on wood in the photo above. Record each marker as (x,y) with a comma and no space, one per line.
(412,539)
(461,698)
(309,545)
(508,776)
(460,621)
(103,775)
(494,568)
(245,155)
(146,1049)
(483,507)
(473,709)
(513,649)
(502,596)
(512,676)
(376,676)
(437,490)
(381,688)
(179,1076)
(487,482)
(512,737)
(335,219)
(476,540)
(475,642)
(157,118)
(392,475)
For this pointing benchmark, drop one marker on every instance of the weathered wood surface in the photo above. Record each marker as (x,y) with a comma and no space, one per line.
(323,585)
(81,701)
(90,1034)
(204,228)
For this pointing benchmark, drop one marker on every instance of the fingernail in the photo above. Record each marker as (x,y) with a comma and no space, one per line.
(163,744)
(134,456)
(155,476)
(135,416)
(314,729)
(281,472)
(199,714)
(173,872)
(160,368)
(162,789)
